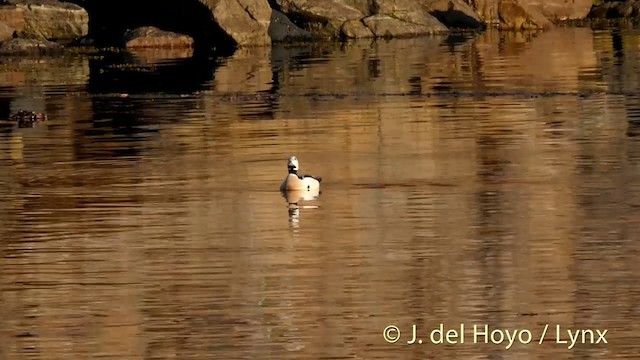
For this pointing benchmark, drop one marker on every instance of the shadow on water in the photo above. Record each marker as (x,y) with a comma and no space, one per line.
(126,87)
(125,73)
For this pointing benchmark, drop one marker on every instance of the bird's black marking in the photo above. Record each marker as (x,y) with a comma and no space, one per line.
(311,176)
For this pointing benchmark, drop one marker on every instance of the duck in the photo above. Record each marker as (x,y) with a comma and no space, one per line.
(293,181)
(28,118)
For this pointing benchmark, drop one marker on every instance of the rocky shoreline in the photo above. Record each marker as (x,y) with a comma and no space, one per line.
(46,26)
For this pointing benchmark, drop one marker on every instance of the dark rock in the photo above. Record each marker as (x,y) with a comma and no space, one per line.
(455,14)
(282,29)
(152,37)
(83,41)
(629,9)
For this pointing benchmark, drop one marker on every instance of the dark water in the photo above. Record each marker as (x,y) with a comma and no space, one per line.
(482,180)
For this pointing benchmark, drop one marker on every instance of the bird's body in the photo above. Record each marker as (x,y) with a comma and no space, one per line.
(293,181)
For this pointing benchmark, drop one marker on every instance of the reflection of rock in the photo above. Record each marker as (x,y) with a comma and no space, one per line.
(247,71)
(152,37)
(29,47)
(155,55)
(51,19)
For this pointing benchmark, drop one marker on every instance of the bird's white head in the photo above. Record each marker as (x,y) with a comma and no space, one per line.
(292,164)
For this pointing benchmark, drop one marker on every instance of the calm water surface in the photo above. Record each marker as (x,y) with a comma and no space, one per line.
(490,179)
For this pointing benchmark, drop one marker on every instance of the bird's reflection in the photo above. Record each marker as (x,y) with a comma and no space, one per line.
(293,198)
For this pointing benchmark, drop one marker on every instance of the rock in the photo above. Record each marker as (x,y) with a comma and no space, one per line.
(455,14)
(245,21)
(322,18)
(6,32)
(366,7)
(362,18)
(516,16)
(387,26)
(53,20)
(511,14)
(152,37)
(601,11)
(29,47)
(354,29)
(616,10)
(487,10)
(282,29)
(560,10)
(409,11)
(13,17)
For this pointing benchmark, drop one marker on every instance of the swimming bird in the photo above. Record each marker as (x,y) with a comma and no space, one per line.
(293,181)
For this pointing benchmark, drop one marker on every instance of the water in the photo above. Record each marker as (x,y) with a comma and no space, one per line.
(488,179)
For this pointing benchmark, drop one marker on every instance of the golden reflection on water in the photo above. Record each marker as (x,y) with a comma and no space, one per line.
(489,180)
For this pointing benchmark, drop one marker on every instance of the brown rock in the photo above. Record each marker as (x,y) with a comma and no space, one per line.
(13,17)
(152,37)
(516,16)
(410,11)
(487,10)
(354,29)
(323,18)
(557,10)
(6,32)
(414,13)
(50,19)
(387,26)
(245,21)
(29,47)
